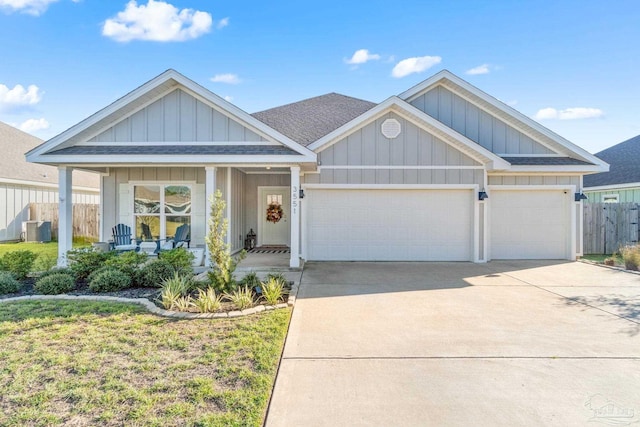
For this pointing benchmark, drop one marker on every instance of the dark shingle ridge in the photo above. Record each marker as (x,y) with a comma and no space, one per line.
(308,120)
(624,164)
(544,161)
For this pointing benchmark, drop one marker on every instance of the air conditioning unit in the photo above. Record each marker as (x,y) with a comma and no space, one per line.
(36,231)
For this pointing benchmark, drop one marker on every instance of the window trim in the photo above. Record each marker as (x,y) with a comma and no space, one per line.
(162,215)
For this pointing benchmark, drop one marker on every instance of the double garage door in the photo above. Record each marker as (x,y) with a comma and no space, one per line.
(432,225)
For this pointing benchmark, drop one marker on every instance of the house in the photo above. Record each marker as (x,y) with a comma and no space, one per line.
(622,182)
(22,183)
(442,171)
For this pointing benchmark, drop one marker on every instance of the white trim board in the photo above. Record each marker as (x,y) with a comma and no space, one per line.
(46,185)
(379,167)
(627,186)
(391,186)
(171,143)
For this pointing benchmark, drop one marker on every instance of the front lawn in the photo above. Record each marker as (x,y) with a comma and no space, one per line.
(48,249)
(95,363)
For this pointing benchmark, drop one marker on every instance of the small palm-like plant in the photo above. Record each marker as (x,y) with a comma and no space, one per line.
(173,289)
(208,301)
(272,290)
(242,298)
(183,303)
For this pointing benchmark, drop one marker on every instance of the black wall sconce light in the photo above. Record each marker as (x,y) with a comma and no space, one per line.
(482,195)
(301,194)
(579,197)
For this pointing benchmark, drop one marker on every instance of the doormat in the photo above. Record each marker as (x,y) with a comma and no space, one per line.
(270,250)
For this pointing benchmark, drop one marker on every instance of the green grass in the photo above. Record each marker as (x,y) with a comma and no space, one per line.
(90,363)
(49,248)
(600,258)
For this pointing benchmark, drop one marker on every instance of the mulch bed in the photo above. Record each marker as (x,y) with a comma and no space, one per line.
(82,288)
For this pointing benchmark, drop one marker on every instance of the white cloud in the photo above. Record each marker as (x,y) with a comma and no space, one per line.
(574,113)
(414,65)
(33,125)
(12,99)
(361,56)
(222,23)
(228,78)
(480,69)
(32,7)
(228,98)
(157,21)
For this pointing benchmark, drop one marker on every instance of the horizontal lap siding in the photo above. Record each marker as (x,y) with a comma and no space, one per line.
(414,147)
(477,125)
(15,200)
(177,117)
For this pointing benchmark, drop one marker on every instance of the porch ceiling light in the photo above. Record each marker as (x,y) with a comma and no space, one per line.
(580,196)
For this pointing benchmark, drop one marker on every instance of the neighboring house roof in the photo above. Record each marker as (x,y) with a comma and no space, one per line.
(624,161)
(308,120)
(14,143)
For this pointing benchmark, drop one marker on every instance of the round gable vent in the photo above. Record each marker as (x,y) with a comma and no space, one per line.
(391,128)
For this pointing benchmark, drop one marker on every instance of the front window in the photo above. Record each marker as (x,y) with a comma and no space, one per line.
(160,209)
(610,198)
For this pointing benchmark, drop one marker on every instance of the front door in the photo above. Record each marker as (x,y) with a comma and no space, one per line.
(273,216)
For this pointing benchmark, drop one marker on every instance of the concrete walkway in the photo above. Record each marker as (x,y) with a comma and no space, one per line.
(460,344)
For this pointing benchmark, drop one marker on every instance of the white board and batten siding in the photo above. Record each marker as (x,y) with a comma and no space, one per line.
(366,156)
(177,117)
(476,124)
(15,200)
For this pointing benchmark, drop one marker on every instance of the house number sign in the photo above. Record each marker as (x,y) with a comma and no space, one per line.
(294,200)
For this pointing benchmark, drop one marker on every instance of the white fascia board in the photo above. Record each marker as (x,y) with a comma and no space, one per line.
(201,92)
(408,111)
(502,107)
(173,143)
(626,186)
(126,160)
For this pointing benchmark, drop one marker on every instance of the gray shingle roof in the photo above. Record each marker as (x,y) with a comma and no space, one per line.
(545,161)
(624,164)
(202,150)
(13,165)
(308,120)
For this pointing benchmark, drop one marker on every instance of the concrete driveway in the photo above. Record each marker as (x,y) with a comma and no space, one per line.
(459,344)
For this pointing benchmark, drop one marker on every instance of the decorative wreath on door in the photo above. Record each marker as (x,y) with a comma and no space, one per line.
(274,212)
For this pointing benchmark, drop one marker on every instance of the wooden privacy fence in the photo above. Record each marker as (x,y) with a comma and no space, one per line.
(607,226)
(86,218)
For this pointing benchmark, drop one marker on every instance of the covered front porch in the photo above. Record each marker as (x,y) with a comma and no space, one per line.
(264,201)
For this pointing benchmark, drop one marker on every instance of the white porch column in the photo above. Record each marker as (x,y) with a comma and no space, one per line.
(65,214)
(209,191)
(294,262)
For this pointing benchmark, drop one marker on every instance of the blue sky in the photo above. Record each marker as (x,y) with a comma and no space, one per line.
(572,65)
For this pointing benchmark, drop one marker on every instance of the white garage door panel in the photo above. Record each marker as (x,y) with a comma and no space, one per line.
(530,224)
(389,225)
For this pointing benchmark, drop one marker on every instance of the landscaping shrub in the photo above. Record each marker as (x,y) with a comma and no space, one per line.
(8,283)
(631,256)
(250,280)
(55,283)
(179,258)
(45,262)
(65,270)
(109,280)
(84,261)
(272,290)
(277,276)
(223,265)
(154,273)
(208,301)
(128,262)
(242,298)
(19,263)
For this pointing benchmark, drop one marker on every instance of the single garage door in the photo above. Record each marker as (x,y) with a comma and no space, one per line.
(389,225)
(530,224)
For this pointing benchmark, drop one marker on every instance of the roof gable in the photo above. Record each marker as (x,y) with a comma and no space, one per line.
(133,112)
(624,161)
(308,120)
(504,113)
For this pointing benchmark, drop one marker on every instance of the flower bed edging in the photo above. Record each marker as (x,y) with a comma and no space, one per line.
(152,308)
